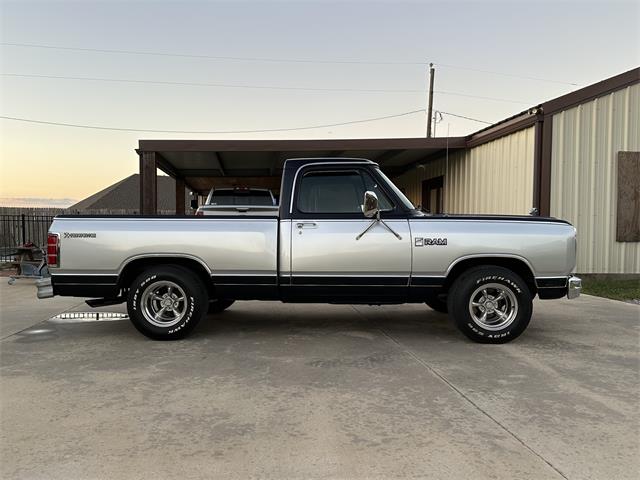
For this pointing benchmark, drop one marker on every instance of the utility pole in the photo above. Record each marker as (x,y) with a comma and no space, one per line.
(432,73)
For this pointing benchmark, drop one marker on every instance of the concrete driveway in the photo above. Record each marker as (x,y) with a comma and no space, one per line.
(267,390)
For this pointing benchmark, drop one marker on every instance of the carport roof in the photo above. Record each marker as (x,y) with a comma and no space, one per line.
(261,158)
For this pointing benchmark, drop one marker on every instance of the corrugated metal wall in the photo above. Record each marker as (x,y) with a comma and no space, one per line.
(496,177)
(586,141)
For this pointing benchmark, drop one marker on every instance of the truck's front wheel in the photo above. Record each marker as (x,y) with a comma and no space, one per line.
(490,304)
(166,303)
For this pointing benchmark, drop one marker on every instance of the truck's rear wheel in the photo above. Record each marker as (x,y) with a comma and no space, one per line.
(490,304)
(166,302)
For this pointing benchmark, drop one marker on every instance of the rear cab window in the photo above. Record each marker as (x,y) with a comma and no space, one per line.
(240,197)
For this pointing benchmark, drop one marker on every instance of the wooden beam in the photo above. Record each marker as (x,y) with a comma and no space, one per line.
(148,184)
(180,196)
(164,165)
(218,157)
(309,146)
(388,155)
(204,184)
(277,158)
(397,171)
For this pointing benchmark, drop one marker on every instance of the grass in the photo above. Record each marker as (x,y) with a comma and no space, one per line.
(614,289)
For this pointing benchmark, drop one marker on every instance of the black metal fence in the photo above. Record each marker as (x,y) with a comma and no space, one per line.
(18,229)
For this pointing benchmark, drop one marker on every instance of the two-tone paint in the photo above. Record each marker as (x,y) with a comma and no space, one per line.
(295,256)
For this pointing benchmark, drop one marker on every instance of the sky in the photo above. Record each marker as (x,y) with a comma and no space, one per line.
(516,54)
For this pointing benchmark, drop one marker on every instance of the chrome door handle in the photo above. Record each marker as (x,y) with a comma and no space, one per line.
(306,225)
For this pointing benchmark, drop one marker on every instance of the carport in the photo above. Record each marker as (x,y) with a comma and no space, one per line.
(202,164)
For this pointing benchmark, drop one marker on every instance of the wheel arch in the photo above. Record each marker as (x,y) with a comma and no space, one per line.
(136,265)
(515,263)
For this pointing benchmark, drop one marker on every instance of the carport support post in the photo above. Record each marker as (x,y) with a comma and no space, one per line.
(180,193)
(148,183)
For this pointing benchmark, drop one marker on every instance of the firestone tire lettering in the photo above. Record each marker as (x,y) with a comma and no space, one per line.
(196,298)
(460,296)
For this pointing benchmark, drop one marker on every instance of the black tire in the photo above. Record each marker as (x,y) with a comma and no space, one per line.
(151,288)
(437,303)
(482,285)
(220,305)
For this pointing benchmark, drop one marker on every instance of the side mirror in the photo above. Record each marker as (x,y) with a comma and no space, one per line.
(194,204)
(370,205)
(370,209)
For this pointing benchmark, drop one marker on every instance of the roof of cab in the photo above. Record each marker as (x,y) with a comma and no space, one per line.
(296,163)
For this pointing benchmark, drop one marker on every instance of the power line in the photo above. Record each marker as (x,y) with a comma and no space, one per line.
(259,87)
(278,60)
(98,127)
(495,99)
(466,118)
(515,75)
(219,85)
(210,57)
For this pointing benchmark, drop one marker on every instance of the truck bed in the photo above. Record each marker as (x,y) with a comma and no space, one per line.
(222,242)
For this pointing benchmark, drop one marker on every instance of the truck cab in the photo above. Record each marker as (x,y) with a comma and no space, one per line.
(336,252)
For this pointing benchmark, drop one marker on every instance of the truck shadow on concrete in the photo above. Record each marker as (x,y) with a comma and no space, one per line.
(319,319)
(270,320)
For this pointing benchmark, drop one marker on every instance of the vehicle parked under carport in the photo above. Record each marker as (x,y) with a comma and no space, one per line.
(238,201)
(343,234)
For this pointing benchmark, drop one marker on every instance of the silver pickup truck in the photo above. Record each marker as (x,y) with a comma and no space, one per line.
(344,233)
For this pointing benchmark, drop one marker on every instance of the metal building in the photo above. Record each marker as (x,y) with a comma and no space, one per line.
(575,157)
(560,158)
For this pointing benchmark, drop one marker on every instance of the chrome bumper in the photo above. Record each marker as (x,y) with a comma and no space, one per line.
(574,287)
(45,288)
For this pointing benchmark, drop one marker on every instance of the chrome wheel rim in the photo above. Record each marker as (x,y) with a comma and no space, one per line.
(164,303)
(493,306)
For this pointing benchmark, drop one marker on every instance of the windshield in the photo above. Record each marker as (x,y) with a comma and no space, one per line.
(240,197)
(406,202)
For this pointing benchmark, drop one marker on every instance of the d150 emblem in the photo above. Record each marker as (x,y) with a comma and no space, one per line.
(425,242)
(78,235)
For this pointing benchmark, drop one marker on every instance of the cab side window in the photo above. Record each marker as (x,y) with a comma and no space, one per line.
(337,192)
(330,192)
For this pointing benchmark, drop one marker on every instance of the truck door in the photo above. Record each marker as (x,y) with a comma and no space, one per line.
(331,259)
